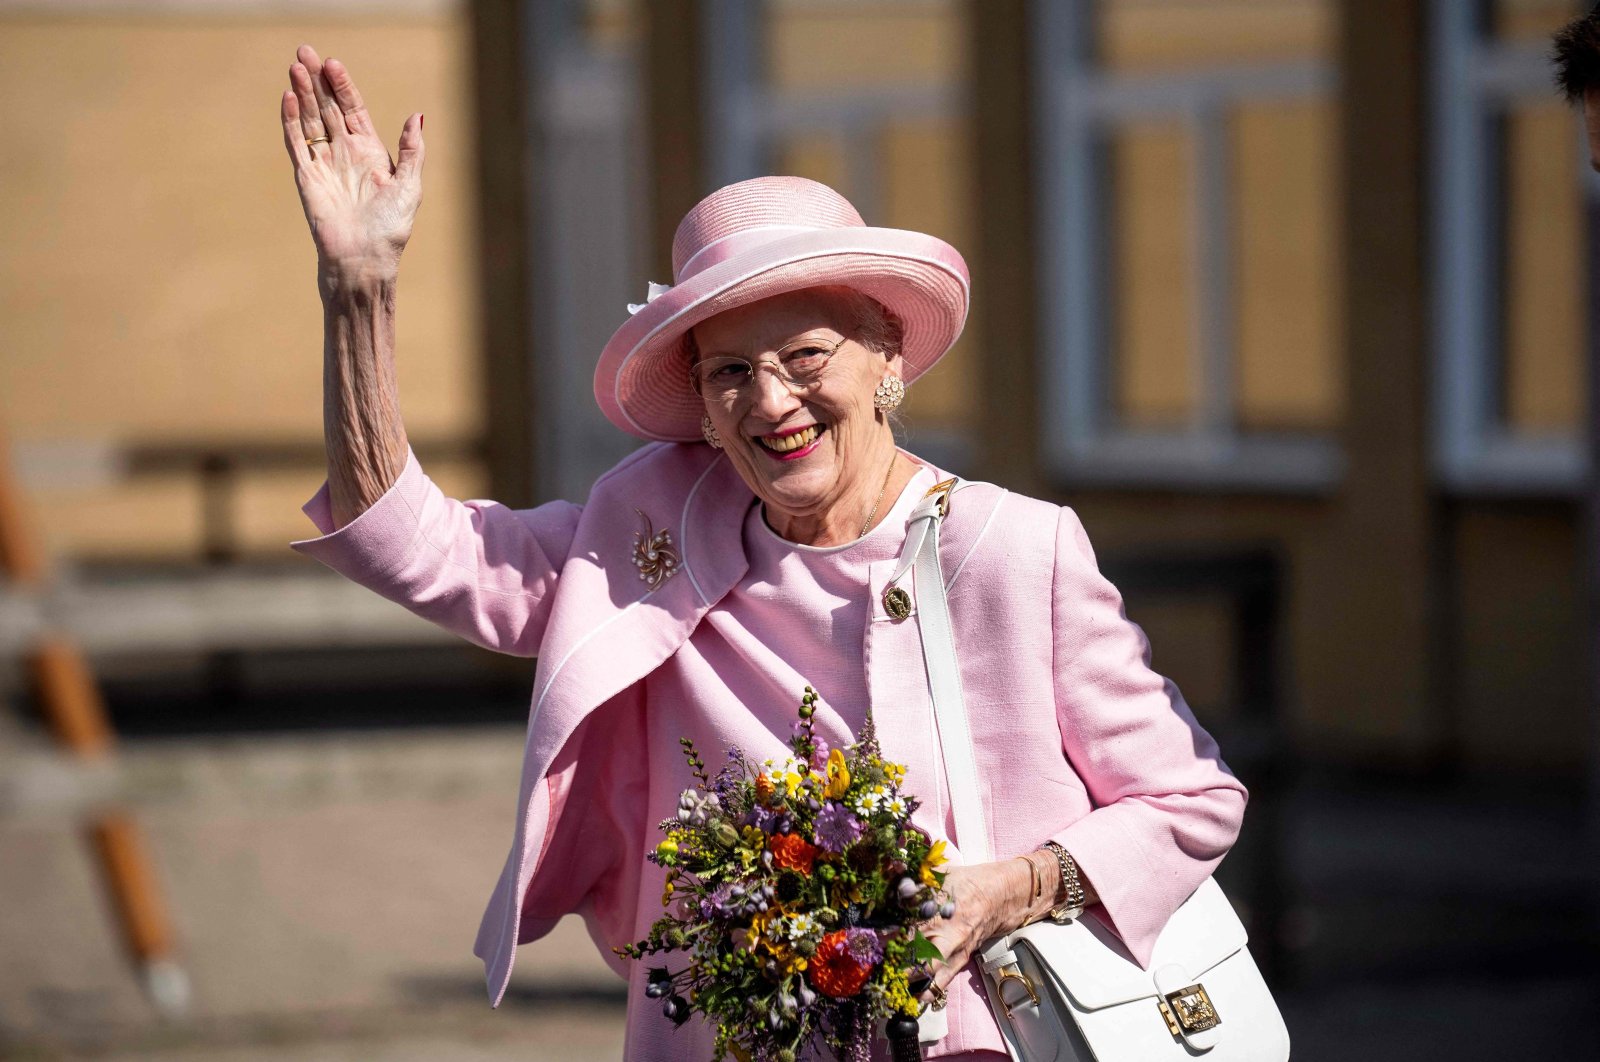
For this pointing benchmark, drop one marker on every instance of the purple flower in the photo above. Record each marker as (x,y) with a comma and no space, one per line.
(836,827)
(764,819)
(819,755)
(718,903)
(863,945)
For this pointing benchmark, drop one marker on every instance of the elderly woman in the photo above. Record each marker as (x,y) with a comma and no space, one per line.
(767,374)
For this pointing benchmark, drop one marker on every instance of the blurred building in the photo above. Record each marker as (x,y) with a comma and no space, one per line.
(1287,272)
(1298,274)
(1294,287)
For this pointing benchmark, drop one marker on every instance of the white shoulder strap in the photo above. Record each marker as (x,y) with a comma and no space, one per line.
(921,555)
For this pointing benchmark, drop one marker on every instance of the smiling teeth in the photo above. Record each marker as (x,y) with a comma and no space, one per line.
(792,442)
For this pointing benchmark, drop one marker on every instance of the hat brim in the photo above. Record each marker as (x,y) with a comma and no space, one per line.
(642,379)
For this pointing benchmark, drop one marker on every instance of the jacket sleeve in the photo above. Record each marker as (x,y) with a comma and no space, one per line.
(475,568)
(1166,807)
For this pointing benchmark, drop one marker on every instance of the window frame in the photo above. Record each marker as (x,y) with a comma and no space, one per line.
(1077,102)
(1475,79)
(745,118)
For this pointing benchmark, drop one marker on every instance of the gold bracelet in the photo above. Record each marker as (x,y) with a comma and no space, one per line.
(1036,891)
(1069,896)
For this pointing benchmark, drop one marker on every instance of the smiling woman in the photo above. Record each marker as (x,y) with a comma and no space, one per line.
(711,577)
(809,436)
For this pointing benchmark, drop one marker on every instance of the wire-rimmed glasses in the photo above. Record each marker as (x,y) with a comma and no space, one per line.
(799,365)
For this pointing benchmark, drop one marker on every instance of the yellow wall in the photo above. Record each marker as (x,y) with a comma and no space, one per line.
(1543,274)
(158,280)
(834,47)
(1285,217)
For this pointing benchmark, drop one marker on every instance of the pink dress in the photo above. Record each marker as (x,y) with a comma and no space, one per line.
(1076,737)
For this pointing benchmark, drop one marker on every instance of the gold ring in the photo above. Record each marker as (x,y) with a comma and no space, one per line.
(318,140)
(938,998)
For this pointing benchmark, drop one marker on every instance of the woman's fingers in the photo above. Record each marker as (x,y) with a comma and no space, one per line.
(955,957)
(412,151)
(300,80)
(347,96)
(326,106)
(293,136)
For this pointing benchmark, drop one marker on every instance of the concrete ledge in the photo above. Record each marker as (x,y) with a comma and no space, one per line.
(305,876)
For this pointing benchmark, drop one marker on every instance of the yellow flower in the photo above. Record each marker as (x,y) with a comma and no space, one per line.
(838,776)
(897,994)
(791,782)
(787,959)
(932,862)
(758,928)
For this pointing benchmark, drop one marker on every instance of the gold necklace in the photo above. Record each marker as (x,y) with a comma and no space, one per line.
(881,491)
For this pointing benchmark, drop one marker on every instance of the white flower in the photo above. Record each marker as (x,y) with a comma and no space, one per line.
(801,926)
(651,294)
(897,806)
(870,801)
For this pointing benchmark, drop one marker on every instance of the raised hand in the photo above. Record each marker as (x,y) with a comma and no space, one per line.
(359,202)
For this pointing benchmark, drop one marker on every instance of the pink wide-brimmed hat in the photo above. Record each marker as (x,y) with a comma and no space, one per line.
(759,238)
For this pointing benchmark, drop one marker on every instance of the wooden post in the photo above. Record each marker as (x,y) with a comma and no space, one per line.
(506,329)
(1005,281)
(675,119)
(1589,551)
(71,703)
(1389,608)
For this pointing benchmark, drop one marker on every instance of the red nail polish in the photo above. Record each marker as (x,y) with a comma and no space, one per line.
(422,120)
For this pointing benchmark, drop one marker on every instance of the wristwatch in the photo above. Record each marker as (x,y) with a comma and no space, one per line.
(1069,896)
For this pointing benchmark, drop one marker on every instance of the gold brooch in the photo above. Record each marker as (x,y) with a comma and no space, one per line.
(653,554)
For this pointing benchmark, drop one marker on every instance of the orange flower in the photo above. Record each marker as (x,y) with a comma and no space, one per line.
(790,851)
(834,971)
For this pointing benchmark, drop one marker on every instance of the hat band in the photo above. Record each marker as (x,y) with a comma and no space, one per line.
(735,243)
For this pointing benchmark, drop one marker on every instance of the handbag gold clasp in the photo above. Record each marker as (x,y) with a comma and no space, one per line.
(1012,972)
(1188,1010)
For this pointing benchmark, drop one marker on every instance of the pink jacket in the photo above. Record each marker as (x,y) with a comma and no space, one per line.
(1078,738)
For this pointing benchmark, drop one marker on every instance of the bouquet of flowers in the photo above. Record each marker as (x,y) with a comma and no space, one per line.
(795,890)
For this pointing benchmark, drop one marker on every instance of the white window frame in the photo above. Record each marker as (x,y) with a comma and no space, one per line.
(586,239)
(745,119)
(1077,101)
(1476,78)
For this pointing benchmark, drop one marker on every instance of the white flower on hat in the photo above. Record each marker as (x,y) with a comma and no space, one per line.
(650,296)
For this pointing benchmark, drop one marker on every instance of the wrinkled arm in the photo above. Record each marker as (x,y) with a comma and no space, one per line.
(359,205)
(1166,806)
(361,425)
(476,568)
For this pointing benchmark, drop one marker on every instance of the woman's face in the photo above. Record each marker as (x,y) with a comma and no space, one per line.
(852,448)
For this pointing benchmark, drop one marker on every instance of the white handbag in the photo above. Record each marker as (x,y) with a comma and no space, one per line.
(1072,991)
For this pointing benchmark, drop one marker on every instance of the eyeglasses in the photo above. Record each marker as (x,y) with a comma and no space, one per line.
(800,366)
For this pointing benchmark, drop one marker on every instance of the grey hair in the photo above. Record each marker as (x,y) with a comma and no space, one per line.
(868,321)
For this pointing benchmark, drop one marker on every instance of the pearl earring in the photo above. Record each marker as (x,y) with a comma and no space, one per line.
(709,430)
(889,393)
